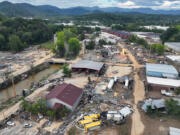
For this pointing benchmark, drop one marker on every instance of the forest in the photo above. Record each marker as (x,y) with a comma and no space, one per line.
(18,33)
(128,18)
(172,34)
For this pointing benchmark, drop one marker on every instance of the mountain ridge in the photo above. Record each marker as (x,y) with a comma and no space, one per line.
(28,10)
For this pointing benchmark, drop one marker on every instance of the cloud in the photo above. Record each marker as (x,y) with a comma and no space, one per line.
(170,3)
(155,4)
(127,4)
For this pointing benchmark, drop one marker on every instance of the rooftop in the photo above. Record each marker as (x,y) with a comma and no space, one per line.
(174,57)
(163,81)
(67,93)
(163,68)
(173,45)
(86,64)
(121,32)
(174,131)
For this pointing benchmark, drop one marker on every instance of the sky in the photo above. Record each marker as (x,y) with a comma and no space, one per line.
(154,4)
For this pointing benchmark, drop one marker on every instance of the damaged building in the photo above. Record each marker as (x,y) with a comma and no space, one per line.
(88,66)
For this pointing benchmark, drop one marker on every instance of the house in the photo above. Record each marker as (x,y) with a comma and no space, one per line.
(64,94)
(88,66)
(161,70)
(155,83)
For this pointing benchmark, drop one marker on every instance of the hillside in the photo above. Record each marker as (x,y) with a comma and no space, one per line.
(28,10)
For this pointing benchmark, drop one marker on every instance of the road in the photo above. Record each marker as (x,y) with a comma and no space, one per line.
(139,95)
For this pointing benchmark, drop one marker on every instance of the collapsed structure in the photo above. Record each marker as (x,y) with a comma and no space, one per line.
(88,66)
(153,103)
(64,94)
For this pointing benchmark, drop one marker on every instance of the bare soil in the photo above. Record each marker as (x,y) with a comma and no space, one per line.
(158,125)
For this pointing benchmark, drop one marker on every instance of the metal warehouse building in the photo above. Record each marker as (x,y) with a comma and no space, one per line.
(156,83)
(88,66)
(161,70)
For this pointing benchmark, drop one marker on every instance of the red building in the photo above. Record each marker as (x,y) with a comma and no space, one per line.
(64,94)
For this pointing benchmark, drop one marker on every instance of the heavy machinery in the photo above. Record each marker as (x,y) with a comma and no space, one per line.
(93,125)
(92,116)
(83,122)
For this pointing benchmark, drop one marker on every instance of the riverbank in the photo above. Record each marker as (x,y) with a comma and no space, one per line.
(23,75)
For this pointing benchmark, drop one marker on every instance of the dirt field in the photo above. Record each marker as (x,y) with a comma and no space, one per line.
(118,71)
(158,125)
(23,61)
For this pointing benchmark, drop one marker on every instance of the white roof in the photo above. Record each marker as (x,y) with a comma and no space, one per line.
(174,131)
(163,81)
(174,57)
(125,111)
(173,45)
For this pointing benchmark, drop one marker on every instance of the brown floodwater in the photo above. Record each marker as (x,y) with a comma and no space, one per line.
(7,93)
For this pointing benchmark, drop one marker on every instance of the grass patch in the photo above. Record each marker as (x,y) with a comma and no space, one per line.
(47,45)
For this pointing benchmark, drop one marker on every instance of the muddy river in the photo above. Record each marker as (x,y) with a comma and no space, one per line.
(7,93)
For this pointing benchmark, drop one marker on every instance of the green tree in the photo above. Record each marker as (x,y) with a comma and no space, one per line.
(2,42)
(51,113)
(172,107)
(15,44)
(178,91)
(97,29)
(90,45)
(158,48)
(143,42)
(82,36)
(133,39)
(66,71)
(60,44)
(102,42)
(27,37)
(74,46)
(68,34)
